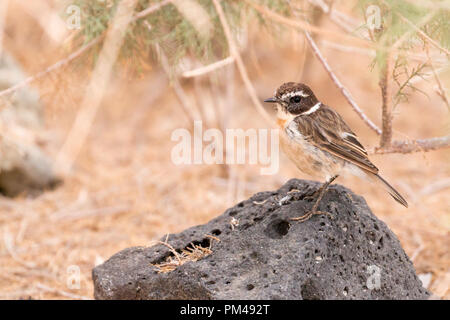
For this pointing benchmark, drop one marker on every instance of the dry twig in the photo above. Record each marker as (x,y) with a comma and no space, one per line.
(79,52)
(57,65)
(240,64)
(209,68)
(96,88)
(193,253)
(386,107)
(423,34)
(189,109)
(419,145)
(440,88)
(340,86)
(306,26)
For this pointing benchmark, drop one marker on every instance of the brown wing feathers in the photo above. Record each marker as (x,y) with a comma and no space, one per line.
(329,132)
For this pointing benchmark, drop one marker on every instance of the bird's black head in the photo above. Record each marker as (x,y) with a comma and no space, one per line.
(294,98)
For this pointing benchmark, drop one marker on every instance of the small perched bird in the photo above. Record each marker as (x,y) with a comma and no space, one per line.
(319,142)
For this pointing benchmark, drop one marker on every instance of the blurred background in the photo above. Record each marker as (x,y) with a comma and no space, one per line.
(91,91)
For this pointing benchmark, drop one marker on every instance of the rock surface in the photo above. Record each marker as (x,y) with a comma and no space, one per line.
(349,254)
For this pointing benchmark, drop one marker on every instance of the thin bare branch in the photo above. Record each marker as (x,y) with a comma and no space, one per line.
(424,35)
(96,88)
(420,145)
(386,96)
(79,52)
(435,187)
(339,85)
(53,67)
(150,10)
(191,112)
(240,64)
(440,88)
(209,68)
(437,59)
(303,25)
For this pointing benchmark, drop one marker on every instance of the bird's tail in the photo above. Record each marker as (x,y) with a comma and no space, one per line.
(394,193)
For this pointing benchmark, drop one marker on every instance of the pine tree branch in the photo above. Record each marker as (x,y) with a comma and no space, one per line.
(424,35)
(303,25)
(77,53)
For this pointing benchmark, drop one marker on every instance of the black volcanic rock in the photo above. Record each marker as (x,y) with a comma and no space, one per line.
(349,254)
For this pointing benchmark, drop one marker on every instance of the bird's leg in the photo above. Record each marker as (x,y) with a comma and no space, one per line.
(314,211)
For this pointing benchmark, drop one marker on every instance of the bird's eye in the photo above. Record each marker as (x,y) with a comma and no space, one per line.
(295,99)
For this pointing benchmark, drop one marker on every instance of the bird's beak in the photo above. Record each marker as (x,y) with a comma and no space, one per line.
(271,100)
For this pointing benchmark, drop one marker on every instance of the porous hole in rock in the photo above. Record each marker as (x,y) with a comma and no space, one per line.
(380,243)
(250,287)
(277,229)
(257,219)
(370,235)
(310,291)
(216,232)
(232,213)
(245,226)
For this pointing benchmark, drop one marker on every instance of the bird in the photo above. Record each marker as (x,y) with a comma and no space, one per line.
(319,142)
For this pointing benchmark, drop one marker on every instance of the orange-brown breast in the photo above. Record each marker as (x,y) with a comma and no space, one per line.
(281,123)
